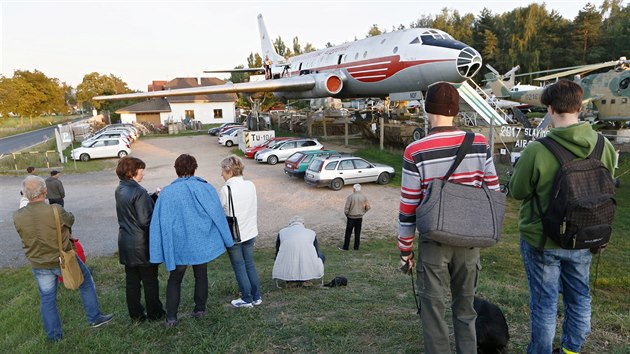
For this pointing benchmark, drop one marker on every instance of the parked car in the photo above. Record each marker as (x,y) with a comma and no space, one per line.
(113,147)
(131,132)
(251,152)
(282,150)
(229,138)
(230,127)
(337,171)
(107,135)
(296,164)
(215,130)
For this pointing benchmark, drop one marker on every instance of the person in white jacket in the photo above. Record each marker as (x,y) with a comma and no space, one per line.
(245,209)
(298,258)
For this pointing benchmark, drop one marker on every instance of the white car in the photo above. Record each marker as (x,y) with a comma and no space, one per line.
(107,135)
(113,147)
(337,171)
(283,149)
(229,138)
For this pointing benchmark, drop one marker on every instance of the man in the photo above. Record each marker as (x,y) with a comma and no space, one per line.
(298,258)
(55,188)
(441,266)
(554,268)
(356,206)
(36,225)
(30,170)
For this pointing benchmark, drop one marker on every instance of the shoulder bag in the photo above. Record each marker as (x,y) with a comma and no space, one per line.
(70,270)
(458,214)
(231,218)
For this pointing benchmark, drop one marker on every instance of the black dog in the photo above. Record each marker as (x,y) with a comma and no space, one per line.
(491,327)
(337,281)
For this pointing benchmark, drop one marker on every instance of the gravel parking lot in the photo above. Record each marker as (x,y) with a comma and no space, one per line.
(90,197)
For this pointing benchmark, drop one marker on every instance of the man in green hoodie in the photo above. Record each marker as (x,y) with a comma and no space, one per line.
(555,269)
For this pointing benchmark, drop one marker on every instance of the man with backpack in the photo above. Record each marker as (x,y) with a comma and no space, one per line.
(553,177)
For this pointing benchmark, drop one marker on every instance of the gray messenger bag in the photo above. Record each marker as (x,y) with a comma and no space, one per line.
(460,215)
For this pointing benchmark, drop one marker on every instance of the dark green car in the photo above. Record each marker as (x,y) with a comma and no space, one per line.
(296,164)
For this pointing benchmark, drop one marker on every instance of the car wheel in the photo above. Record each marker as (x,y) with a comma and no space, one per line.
(122,153)
(272,160)
(336,184)
(84,157)
(417,134)
(383,178)
(229,143)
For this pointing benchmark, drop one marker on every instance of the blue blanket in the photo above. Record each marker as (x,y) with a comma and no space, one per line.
(188,225)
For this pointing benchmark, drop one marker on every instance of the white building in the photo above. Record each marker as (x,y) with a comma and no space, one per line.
(214,108)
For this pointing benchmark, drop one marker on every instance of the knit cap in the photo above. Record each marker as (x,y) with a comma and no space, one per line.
(443,99)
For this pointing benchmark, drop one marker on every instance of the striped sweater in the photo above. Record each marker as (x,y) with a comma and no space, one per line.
(430,158)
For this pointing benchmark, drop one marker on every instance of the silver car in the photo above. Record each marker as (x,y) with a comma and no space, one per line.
(335,172)
(283,149)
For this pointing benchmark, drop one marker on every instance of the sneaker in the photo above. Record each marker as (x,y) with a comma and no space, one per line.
(257,302)
(197,314)
(101,320)
(171,323)
(342,249)
(240,303)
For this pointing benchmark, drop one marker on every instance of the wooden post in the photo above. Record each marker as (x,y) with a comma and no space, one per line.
(345,125)
(381,122)
(324,125)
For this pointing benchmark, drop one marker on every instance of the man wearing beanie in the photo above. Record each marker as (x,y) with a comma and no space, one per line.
(441,265)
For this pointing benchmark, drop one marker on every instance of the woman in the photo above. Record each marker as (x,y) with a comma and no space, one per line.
(245,209)
(188,228)
(134,207)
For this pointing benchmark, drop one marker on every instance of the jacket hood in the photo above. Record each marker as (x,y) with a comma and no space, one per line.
(578,138)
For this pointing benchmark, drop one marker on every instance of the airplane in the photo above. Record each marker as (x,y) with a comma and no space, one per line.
(395,63)
(609,92)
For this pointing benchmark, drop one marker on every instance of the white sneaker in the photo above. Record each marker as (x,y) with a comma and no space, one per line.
(257,302)
(240,303)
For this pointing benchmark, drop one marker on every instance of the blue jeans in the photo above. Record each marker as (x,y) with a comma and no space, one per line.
(548,274)
(242,259)
(47,283)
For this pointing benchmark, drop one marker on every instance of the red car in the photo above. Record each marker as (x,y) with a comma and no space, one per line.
(250,152)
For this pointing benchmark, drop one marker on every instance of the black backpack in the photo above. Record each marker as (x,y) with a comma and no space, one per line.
(582,205)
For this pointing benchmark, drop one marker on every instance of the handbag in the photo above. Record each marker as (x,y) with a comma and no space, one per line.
(68,262)
(460,215)
(231,218)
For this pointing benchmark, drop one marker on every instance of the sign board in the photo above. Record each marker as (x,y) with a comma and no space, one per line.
(248,139)
(406,96)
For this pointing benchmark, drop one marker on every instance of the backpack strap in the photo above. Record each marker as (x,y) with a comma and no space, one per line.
(598,151)
(464,148)
(558,151)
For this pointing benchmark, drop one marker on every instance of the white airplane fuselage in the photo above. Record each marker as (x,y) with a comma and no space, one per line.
(401,61)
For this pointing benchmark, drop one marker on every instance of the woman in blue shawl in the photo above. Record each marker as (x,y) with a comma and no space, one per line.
(188,228)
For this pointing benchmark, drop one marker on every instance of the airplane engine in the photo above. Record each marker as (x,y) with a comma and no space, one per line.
(323,85)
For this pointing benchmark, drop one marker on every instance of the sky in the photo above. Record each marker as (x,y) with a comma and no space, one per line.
(141,40)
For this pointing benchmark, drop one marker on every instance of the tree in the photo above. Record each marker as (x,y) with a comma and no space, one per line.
(309,48)
(297,48)
(237,77)
(281,48)
(588,24)
(95,84)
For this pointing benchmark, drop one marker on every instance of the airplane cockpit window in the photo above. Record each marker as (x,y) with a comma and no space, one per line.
(434,34)
(624,83)
(415,41)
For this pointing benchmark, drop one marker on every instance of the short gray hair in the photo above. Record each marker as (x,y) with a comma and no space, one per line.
(234,164)
(33,187)
(298,219)
(357,187)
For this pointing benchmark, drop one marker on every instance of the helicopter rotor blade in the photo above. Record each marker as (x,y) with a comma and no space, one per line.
(580,70)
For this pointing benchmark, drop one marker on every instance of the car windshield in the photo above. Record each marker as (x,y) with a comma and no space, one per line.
(295,157)
(276,144)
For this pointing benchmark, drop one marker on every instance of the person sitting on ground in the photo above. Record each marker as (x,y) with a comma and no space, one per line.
(298,258)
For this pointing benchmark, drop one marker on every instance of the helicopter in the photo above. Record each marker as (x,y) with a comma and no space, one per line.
(607,93)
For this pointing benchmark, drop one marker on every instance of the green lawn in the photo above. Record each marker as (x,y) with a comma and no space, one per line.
(375,313)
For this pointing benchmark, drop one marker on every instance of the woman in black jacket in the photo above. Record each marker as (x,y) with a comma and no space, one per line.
(134,207)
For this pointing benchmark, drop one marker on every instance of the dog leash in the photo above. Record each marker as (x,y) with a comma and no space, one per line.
(407,269)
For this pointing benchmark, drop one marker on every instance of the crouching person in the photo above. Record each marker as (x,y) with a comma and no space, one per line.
(298,259)
(35,223)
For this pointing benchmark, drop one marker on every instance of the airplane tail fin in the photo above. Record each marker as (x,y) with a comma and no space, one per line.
(497,85)
(268,51)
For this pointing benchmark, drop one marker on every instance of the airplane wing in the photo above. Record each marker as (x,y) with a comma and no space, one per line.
(313,85)
(243,70)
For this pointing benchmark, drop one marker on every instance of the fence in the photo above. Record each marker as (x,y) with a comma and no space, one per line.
(19,161)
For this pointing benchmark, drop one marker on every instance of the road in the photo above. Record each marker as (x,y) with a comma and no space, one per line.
(90,197)
(22,141)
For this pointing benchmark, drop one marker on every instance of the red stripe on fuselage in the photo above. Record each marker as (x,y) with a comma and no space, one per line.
(377,69)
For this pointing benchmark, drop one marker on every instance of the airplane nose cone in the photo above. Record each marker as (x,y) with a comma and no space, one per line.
(468,62)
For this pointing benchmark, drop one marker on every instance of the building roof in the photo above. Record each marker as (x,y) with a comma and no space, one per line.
(154,105)
(187,82)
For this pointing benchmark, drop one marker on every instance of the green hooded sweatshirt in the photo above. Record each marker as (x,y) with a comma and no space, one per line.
(536,170)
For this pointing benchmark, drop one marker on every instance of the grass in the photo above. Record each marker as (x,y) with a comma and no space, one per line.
(12,126)
(375,313)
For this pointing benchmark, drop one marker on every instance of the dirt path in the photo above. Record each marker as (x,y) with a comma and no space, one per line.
(91,198)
